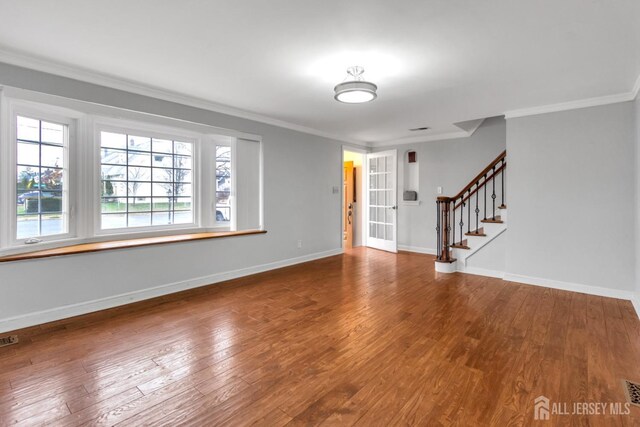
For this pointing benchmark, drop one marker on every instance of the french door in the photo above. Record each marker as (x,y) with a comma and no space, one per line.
(382,208)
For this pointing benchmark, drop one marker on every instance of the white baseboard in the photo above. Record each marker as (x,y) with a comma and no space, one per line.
(417,249)
(567,286)
(483,272)
(40,317)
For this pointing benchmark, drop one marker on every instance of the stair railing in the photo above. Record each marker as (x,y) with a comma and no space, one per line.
(450,208)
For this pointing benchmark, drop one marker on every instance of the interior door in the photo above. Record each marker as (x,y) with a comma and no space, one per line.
(382,206)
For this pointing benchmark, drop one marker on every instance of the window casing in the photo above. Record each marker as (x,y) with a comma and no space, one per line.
(160,180)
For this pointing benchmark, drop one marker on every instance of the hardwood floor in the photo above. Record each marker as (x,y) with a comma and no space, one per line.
(368,338)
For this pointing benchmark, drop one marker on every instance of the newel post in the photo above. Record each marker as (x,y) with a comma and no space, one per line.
(444,226)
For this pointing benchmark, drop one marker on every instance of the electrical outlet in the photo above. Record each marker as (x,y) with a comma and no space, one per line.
(299,243)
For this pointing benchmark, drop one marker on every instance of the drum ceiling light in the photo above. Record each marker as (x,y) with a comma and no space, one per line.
(355,90)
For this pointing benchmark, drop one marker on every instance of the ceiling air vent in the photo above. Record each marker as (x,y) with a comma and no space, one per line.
(420,128)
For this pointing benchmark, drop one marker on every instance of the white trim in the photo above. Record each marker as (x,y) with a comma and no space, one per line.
(40,317)
(482,272)
(417,249)
(567,286)
(88,76)
(574,105)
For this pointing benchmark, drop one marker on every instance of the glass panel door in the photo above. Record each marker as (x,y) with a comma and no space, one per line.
(381,201)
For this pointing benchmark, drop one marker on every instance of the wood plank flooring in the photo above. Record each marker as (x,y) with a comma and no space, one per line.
(368,338)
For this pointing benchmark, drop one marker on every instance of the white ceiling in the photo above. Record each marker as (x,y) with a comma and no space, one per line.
(436,62)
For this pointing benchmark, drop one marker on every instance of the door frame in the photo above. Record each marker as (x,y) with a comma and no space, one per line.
(360,191)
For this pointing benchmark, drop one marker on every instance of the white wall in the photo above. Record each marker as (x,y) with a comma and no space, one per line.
(571,197)
(299,170)
(491,257)
(450,164)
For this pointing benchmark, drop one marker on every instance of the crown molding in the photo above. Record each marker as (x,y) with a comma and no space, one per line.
(428,138)
(577,104)
(101,79)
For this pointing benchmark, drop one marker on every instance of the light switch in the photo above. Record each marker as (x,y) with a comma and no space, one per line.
(439,190)
(336,189)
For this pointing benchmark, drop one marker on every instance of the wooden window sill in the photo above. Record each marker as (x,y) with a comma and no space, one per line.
(122,244)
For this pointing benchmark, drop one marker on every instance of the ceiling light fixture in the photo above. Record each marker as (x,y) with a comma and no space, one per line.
(355,90)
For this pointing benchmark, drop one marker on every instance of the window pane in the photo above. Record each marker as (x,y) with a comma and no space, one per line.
(28,226)
(51,179)
(116,157)
(51,224)
(162,160)
(223,183)
(162,146)
(182,190)
(162,175)
(139,219)
(28,153)
(162,203)
(144,174)
(139,159)
(114,172)
(183,176)
(183,162)
(112,205)
(52,133)
(183,217)
(113,140)
(162,218)
(28,129)
(139,204)
(52,156)
(111,221)
(183,148)
(41,203)
(139,143)
(182,204)
(139,174)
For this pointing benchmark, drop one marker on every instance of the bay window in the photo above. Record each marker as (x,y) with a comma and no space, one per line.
(73,173)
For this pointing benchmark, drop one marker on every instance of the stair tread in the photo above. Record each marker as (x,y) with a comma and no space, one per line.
(497,220)
(478,233)
(461,245)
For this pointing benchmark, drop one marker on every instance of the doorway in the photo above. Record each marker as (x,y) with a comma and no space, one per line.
(352,198)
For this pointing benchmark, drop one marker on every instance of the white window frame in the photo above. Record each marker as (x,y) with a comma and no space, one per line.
(52,114)
(84,122)
(103,124)
(216,141)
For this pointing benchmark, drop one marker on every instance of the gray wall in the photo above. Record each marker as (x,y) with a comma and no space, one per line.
(637,180)
(299,208)
(571,196)
(449,164)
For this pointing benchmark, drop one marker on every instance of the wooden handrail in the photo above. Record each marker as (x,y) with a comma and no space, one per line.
(476,179)
(486,180)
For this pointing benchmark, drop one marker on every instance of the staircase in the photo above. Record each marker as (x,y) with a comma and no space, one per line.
(471,219)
